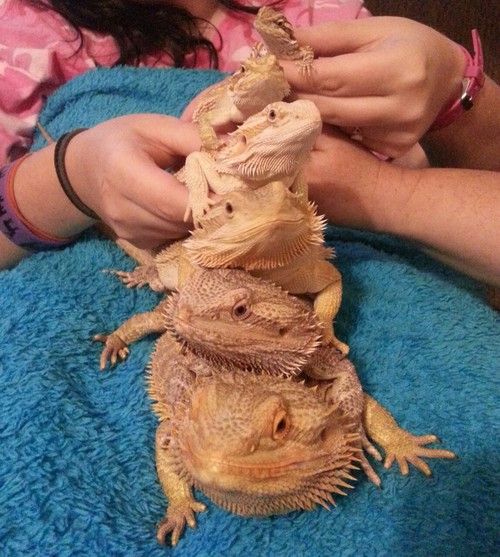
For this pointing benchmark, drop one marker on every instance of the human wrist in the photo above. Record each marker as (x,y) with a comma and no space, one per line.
(62,173)
(41,200)
(471,82)
(472,141)
(392,195)
(354,196)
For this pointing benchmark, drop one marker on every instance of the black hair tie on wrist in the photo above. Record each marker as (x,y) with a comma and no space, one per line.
(59,156)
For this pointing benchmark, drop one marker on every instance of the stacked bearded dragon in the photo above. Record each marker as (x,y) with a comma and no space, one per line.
(258,405)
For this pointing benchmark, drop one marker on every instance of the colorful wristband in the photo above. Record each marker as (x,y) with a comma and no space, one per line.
(12,222)
(472,83)
(62,175)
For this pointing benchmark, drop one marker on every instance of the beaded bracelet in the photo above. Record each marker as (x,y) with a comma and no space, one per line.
(14,225)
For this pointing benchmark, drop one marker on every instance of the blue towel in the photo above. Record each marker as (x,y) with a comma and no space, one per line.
(77,474)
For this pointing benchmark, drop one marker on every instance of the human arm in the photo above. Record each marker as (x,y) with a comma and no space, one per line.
(454,213)
(473,140)
(116,168)
(391,77)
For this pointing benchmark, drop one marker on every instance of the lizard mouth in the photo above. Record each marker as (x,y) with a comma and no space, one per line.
(283,360)
(228,472)
(254,469)
(292,482)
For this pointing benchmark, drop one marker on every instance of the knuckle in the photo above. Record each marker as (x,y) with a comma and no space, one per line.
(415,76)
(414,114)
(113,214)
(395,149)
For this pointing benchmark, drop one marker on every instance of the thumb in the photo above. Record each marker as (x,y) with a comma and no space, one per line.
(168,138)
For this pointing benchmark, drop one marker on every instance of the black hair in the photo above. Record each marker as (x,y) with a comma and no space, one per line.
(139,29)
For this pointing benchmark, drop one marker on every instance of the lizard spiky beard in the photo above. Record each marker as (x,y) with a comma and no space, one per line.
(290,450)
(265,231)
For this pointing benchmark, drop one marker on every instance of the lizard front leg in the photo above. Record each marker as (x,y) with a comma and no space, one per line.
(300,186)
(141,276)
(305,60)
(200,175)
(313,276)
(181,503)
(327,303)
(145,273)
(399,444)
(345,391)
(212,110)
(138,326)
(208,136)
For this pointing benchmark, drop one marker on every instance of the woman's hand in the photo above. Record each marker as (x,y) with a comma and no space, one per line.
(387,76)
(344,180)
(117,169)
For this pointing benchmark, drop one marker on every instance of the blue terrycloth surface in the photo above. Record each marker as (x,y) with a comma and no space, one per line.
(77,470)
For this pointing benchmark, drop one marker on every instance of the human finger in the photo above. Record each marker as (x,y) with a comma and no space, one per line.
(145,230)
(171,137)
(349,75)
(352,111)
(158,192)
(390,142)
(339,37)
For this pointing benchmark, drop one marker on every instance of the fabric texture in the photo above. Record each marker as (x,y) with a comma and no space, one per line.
(77,473)
(40,51)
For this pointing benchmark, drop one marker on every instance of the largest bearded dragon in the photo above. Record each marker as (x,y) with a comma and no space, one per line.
(236,420)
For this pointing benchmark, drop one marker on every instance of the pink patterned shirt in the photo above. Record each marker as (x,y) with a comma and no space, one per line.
(39,52)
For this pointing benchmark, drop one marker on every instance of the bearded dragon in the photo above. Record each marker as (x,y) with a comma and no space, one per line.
(272,233)
(278,37)
(265,444)
(274,329)
(270,145)
(259,81)
(227,381)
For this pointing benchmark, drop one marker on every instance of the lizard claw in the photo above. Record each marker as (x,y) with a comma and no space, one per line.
(330,339)
(176,518)
(407,448)
(141,276)
(114,349)
(212,144)
(199,211)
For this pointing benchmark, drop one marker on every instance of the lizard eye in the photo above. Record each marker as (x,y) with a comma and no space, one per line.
(241,310)
(271,115)
(228,207)
(281,425)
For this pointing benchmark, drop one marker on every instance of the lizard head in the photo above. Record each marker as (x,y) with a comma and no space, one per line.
(228,316)
(277,140)
(263,445)
(273,25)
(263,228)
(259,81)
